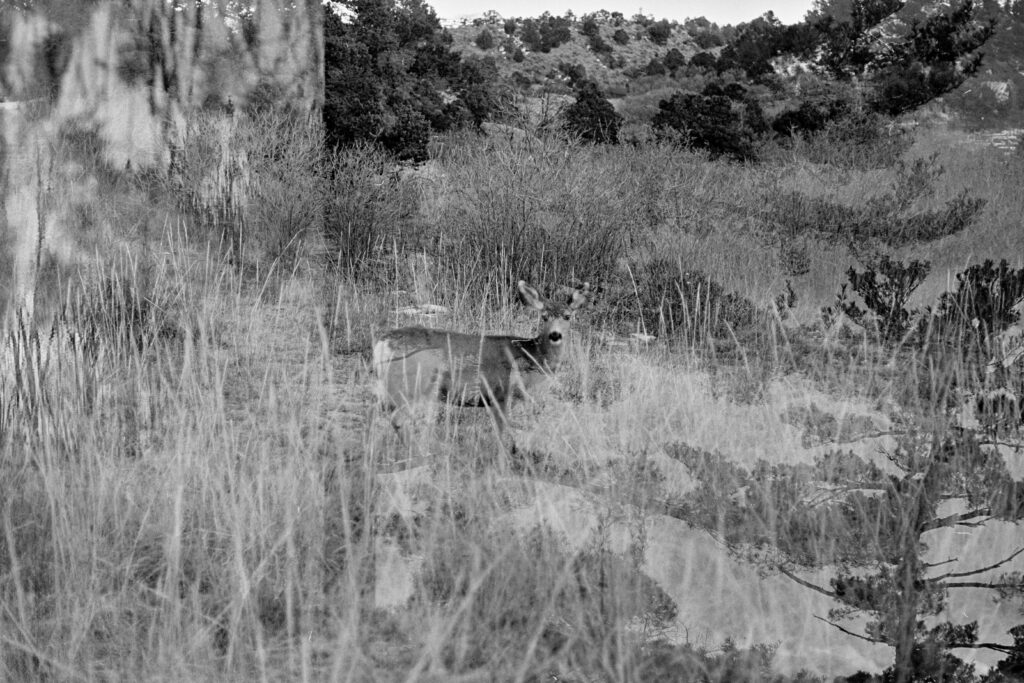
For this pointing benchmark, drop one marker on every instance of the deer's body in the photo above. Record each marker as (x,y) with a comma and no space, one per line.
(420,367)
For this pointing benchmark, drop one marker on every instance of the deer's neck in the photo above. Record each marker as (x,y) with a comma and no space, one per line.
(540,352)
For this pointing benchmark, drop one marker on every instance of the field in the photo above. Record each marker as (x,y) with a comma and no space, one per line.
(197,483)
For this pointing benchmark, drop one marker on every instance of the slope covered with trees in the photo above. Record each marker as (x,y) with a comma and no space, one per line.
(394,75)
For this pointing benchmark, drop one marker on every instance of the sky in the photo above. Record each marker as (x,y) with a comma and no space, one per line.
(719,11)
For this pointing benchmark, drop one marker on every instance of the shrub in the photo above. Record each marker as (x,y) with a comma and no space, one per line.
(885,287)
(655,68)
(884,220)
(708,122)
(985,297)
(598,45)
(590,27)
(479,90)
(862,140)
(591,116)
(704,60)
(518,56)
(407,139)
(251,181)
(856,139)
(576,73)
(809,117)
(982,306)
(660,31)
(366,211)
(558,234)
(664,299)
(379,67)
(734,91)
(510,27)
(707,39)
(674,59)
(551,32)
(530,35)
(621,37)
(484,40)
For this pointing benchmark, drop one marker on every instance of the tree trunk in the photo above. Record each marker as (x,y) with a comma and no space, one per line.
(907,619)
(919,508)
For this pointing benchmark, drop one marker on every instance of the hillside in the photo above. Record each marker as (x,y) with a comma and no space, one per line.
(636,71)
(618,68)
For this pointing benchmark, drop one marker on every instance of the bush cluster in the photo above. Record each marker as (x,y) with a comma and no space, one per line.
(546,33)
(591,116)
(884,287)
(484,40)
(885,220)
(664,299)
(659,31)
(725,122)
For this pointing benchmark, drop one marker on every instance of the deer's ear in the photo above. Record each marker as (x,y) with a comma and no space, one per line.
(531,297)
(580,297)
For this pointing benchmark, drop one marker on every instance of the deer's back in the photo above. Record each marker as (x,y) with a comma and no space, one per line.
(467,369)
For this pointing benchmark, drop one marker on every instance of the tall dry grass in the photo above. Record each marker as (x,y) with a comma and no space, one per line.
(195,485)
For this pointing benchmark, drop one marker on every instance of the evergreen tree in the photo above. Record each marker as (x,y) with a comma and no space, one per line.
(484,40)
(674,59)
(591,116)
(908,63)
(655,67)
(712,121)
(589,27)
(530,35)
(385,70)
(660,31)
(703,60)
(753,47)
(872,528)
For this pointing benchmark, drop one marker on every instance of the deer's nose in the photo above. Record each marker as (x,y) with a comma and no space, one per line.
(555,337)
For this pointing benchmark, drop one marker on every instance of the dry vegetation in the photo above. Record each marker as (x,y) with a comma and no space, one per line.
(194,483)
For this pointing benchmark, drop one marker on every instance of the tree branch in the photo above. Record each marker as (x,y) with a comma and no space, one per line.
(983,584)
(976,571)
(998,647)
(929,565)
(870,435)
(960,519)
(807,584)
(851,633)
(997,443)
(854,485)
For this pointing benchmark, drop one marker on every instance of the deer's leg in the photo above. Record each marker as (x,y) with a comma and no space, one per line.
(402,420)
(499,415)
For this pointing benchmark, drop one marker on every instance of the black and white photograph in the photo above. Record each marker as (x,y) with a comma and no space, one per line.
(452,342)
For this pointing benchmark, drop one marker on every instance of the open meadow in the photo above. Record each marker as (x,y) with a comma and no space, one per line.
(196,482)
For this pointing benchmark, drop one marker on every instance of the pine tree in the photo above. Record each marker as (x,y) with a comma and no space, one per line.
(385,70)
(872,528)
(591,116)
(904,63)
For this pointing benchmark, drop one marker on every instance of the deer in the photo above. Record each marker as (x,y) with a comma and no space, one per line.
(423,367)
